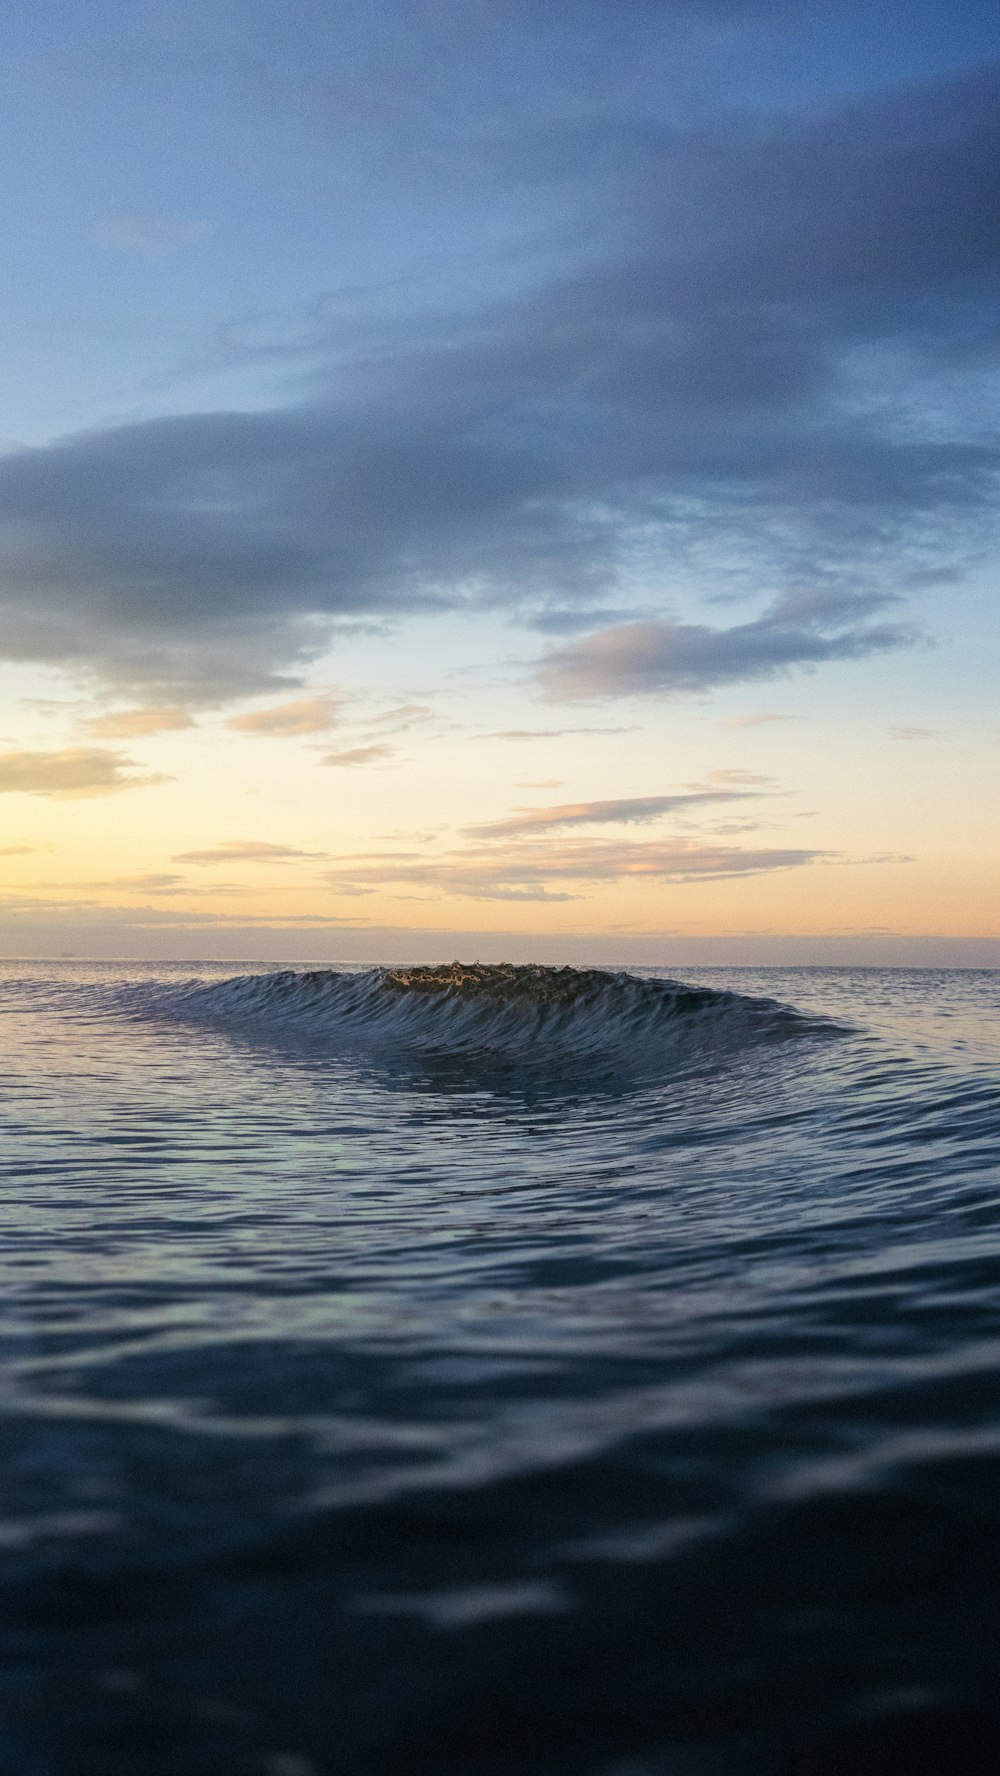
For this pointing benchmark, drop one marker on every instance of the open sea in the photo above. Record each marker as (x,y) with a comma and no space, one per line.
(496,1372)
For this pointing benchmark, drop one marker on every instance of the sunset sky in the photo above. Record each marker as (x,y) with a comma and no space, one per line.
(509,479)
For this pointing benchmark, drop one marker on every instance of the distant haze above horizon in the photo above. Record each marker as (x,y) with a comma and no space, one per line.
(516,481)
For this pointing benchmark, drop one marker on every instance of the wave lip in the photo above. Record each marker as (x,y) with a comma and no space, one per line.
(518,1012)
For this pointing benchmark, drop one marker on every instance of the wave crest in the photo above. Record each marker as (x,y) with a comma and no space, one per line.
(518,1012)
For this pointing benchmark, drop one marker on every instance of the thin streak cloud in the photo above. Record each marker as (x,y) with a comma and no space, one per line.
(528,870)
(765,718)
(621,811)
(247,851)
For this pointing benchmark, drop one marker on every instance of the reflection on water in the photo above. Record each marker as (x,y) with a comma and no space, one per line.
(403,1402)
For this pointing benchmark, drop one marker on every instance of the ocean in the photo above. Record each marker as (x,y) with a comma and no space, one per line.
(498,1372)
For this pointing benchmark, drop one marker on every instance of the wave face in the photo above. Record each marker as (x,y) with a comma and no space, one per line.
(507,1012)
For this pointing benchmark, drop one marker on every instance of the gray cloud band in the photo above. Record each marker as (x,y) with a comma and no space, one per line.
(661,402)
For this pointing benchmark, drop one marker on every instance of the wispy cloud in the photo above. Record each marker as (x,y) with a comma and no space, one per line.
(738,778)
(160,882)
(129,724)
(761,720)
(359,755)
(93,915)
(914,733)
(247,851)
(550,733)
(620,811)
(403,716)
(526,871)
(305,715)
(157,883)
(76,771)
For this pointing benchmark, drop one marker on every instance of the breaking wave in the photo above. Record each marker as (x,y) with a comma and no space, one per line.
(516,1013)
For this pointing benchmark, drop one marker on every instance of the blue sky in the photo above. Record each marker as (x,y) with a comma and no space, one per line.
(629,360)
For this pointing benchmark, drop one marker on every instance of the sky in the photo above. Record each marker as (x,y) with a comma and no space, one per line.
(512,480)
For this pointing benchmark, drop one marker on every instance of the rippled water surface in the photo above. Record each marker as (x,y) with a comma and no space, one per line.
(503,1376)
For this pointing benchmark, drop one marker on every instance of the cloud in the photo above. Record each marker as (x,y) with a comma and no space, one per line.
(757,375)
(154,236)
(914,733)
(247,851)
(161,882)
(17,850)
(167,884)
(306,715)
(359,755)
(94,914)
(77,771)
(662,657)
(549,733)
(156,882)
(405,715)
(624,811)
(763,719)
(128,724)
(747,779)
(526,871)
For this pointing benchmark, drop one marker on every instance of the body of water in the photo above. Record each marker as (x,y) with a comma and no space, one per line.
(498,1372)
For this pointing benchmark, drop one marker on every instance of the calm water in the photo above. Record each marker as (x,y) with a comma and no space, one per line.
(583,1377)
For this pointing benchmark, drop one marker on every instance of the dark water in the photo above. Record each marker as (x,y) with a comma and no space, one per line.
(587,1377)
